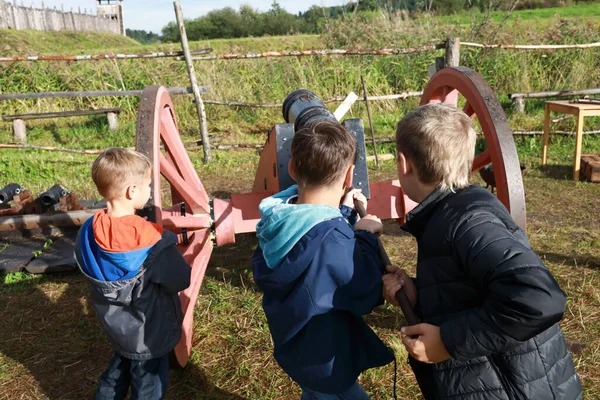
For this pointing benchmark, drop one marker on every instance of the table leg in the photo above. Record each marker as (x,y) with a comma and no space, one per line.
(578,140)
(546,136)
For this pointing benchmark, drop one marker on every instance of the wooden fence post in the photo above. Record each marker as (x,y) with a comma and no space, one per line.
(519,104)
(19,131)
(194,82)
(452,56)
(113,122)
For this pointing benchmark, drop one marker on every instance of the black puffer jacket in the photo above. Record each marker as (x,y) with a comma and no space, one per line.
(495,302)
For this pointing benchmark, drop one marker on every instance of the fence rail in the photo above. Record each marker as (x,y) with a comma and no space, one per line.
(97,93)
(88,57)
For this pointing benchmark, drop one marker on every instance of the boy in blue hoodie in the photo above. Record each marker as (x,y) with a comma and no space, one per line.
(320,270)
(134,272)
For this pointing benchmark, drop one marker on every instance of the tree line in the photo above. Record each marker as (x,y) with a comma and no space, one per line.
(250,22)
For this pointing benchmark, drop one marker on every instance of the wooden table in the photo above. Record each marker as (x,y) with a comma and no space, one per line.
(580,111)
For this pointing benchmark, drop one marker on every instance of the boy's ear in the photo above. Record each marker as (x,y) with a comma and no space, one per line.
(404,165)
(130,192)
(349,177)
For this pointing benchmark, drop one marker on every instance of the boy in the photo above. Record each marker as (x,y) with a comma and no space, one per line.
(488,305)
(317,274)
(134,273)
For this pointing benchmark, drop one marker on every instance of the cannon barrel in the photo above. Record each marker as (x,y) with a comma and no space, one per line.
(303,106)
(9,191)
(52,196)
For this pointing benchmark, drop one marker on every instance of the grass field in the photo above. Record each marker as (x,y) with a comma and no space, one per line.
(51,345)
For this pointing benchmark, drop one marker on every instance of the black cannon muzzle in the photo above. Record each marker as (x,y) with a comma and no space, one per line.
(52,196)
(9,191)
(303,106)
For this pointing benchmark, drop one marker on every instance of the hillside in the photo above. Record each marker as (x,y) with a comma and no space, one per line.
(28,42)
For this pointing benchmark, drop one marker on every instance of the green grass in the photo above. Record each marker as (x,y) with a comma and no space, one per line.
(51,344)
(573,11)
(29,42)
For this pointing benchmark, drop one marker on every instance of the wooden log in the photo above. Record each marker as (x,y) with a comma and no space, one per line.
(556,93)
(47,148)
(60,114)
(533,47)
(109,56)
(19,131)
(390,97)
(93,93)
(452,55)
(31,221)
(519,104)
(326,52)
(194,82)
(113,122)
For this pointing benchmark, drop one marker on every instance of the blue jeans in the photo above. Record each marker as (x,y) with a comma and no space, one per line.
(148,379)
(354,392)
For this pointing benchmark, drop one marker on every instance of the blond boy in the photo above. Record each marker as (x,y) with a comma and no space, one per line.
(134,274)
(488,305)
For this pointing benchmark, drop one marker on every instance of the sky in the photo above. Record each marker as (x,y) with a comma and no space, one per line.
(153,15)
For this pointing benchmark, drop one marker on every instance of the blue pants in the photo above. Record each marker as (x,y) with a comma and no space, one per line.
(148,379)
(354,392)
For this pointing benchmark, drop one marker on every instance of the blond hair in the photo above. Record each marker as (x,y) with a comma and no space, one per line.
(117,168)
(439,140)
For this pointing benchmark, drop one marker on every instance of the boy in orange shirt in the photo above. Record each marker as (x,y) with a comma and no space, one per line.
(134,272)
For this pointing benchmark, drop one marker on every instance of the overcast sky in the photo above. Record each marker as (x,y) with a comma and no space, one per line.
(153,15)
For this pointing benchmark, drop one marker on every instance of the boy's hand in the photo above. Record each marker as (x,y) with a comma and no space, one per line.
(369,223)
(428,346)
(354,194)
(396,279)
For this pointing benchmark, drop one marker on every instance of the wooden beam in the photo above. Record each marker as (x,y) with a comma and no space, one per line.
(94,93)
(555,93)
(60,114)
(194,82)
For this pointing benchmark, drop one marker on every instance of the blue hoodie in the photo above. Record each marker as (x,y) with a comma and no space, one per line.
(135,293)
(315,293)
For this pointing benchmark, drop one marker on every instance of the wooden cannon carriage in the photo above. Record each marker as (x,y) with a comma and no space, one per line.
(185,208)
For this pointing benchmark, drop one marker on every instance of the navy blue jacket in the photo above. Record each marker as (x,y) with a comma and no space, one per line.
(314,302)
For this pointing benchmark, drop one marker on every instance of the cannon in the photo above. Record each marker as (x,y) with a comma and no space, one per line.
(9,191)
(185,208)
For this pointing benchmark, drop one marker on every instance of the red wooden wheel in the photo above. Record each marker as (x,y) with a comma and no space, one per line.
(185,210)
(447,85)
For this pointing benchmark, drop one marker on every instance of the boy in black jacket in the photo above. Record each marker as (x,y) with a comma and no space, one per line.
(134,272)
(320,270)
(488,305)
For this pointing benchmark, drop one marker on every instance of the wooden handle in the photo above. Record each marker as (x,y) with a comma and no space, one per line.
(407,309)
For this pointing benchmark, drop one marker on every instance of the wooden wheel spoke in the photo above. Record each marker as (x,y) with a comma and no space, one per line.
(174,147)
(197,254)
(450,95)
(482,160)
(468,109)
(191,196)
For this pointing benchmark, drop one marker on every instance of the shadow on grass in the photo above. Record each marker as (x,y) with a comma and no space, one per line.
(51,334)
(558,172)
(572,260)
(192,383)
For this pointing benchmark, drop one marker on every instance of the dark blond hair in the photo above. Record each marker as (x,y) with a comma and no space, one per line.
(439,139)
(117,168)
(321,153)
